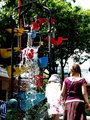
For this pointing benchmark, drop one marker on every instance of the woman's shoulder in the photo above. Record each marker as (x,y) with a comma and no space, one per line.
(74,79)
(67,79)
(83,80)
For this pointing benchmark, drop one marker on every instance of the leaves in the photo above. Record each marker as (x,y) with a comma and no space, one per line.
(72,22)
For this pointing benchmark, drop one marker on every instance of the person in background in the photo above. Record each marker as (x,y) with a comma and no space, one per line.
(75,94)
(2,110)
(53,89)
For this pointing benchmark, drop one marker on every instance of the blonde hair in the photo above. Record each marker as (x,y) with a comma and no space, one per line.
(75,69)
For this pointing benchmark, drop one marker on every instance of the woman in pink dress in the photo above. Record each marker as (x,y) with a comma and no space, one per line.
(75,94)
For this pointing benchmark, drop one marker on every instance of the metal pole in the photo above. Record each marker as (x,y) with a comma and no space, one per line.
(19,12)
(49,39)
(20,22)
(12,78)
(20,45)
(12,50)
(49,45)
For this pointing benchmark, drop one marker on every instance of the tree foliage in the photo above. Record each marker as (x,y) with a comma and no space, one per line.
(73,23)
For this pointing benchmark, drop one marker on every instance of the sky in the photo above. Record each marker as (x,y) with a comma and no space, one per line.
(85,4)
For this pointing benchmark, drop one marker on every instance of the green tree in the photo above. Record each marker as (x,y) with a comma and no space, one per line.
(72,23)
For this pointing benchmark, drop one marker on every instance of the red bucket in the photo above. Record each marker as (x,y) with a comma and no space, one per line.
(39,81)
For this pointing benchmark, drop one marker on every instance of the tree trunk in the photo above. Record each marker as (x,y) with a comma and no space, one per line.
(62,70)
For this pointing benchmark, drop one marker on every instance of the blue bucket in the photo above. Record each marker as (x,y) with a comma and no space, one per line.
(29,100)
(43,62)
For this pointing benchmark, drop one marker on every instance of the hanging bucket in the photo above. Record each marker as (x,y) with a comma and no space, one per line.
(12,104)
(43,62)
(31,34)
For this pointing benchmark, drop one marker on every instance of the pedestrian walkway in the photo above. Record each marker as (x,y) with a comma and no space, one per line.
(88,117)
(61,117)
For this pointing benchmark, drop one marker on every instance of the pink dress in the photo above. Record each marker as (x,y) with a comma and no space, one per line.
(74,107)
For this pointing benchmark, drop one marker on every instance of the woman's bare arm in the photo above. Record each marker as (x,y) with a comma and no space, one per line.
(85,95)
(84,92)
(63,91)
